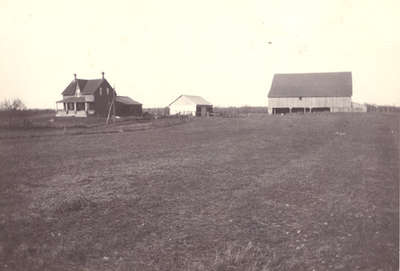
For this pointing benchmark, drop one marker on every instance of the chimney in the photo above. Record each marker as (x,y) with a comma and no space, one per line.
(75,76)
(102,74)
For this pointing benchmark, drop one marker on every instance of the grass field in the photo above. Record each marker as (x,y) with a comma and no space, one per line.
(312,192)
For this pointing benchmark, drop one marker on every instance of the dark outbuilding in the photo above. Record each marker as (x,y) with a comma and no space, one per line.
(125,106)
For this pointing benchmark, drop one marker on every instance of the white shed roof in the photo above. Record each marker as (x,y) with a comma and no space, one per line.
(189,100)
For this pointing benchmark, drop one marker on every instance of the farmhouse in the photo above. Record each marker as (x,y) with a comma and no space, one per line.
(82,98)
(310,92)
(190,105)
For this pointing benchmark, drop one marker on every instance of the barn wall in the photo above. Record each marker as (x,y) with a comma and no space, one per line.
(182,109)
(122,109)
(337,104)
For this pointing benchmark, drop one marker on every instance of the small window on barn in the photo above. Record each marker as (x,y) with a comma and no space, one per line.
(300,98)
(101,91)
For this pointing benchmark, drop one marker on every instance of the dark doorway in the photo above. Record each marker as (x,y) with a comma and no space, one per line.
(281,110)
(320,109)
(70,106)
(203,110)
(80,106)
(298,110)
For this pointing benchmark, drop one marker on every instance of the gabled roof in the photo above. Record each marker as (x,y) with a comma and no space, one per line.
(329,84)
(86,86)
(125,100)
(190,99)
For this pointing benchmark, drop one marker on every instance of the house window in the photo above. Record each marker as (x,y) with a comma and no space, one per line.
(108,91)
(101,91)
(70,106)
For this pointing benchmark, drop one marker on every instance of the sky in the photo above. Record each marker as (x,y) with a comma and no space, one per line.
(224,51)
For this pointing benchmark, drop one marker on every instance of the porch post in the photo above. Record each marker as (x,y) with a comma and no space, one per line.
(75,107)
(86,107)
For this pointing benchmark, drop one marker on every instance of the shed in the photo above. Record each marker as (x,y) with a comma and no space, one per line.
(311,92)
(190,105)
(125,106)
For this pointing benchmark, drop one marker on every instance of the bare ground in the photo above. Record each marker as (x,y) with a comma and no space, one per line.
(313,192)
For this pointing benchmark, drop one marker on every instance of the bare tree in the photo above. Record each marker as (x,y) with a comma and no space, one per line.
(12,108)
(12,105)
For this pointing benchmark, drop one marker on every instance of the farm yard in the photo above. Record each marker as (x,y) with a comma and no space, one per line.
(294,192)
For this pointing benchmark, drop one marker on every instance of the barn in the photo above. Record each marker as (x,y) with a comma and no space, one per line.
(125,106)
(190,105)
(311,92)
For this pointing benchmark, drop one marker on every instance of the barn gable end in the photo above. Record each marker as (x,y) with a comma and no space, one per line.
(190,105)
(310,92)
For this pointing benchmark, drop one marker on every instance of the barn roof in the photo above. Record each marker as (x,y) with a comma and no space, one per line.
(86,86)
(191,99)
(126,100)
(329,84)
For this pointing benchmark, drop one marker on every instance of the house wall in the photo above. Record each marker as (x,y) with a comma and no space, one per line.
(336,104)
(102,102)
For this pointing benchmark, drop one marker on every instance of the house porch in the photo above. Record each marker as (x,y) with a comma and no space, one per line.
(76,107)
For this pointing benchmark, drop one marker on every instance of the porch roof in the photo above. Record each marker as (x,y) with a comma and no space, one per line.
(72,100)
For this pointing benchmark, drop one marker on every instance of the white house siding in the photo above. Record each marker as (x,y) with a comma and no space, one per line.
(336,104)
(62,112)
